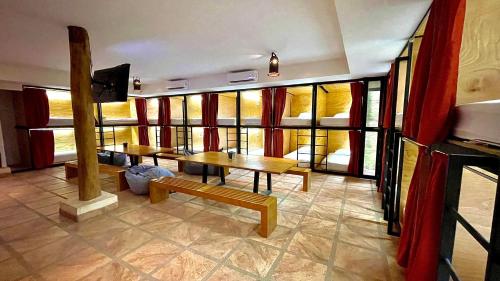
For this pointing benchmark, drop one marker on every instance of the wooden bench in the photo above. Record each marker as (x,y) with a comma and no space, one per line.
(266,205)
(306,176)
(169,156)
(71,169)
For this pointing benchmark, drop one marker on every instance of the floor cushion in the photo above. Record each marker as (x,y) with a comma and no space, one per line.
(138,177)
(119,159)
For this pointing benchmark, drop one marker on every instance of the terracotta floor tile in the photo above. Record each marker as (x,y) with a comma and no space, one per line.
(287,219)
(366,263)
(185,233)
(318,227)
(53,252)
(123,242)
(185,267)
(310,246)
(185,210)
(16,215)
(363,237)
(152,255)
(254,257)
(25,229)
(293,206)
(4,254)
(112,272)
(97,226)
(143,215)
(225,273)
(38,239)
(11,269)
(75,266)
(293,268)
(278,238)
(215,244)
(324,212)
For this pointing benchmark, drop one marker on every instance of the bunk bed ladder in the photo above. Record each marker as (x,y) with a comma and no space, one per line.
(228,140)
(157,135)
(299,144)
(245,133)
(179,135)
(106,137)
(390,183)
(325,145)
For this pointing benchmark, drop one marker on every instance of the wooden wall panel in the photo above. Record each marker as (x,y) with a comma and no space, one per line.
(479,70)
(251,104)
(338,98)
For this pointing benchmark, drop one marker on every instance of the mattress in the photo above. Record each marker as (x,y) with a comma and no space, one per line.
(256,151)
(295,121)
(180,149)
(229,121)
(336,161)
(303,156)
(478,121)
(64,156)
(173,121)
(338,120)
(251,121)
(60,121)
(119,121)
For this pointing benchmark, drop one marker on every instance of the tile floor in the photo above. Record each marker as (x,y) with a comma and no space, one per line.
(333,232)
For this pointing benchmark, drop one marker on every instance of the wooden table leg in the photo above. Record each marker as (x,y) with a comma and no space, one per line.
(256,182)
(222,175)
(155,159)
(204,177)
(111,157)
(269,184)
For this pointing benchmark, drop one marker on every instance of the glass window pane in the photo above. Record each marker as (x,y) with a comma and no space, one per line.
(370,156)
(373,104)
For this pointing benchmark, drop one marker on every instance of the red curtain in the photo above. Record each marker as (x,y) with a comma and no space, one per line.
(141,108)
(265,121)
(279,108)
(164,121)
(42,148)
(209,110)
(428,120)
(355,121)
(386,120)
(36,107)
(37,113)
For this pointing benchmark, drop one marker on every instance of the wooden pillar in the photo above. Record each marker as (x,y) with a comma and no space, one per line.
(83,114)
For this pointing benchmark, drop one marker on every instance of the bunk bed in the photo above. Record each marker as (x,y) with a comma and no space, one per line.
(337,120)
(336,161)
(303,155)
(477,122)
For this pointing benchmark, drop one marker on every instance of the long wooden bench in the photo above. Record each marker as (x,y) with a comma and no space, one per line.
(266,205)
(71,169)
(169,156)
(306,176)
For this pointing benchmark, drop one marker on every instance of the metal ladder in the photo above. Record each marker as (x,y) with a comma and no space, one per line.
(390,200)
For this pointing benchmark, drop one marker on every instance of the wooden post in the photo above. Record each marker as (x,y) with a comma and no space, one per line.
(83,114)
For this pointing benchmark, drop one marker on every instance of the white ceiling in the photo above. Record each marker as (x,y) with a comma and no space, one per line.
(166,39)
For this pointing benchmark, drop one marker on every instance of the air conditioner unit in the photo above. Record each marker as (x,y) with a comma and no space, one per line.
(245,76)
(177,84)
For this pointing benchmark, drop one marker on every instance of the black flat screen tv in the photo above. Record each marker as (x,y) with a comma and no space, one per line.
(111,84)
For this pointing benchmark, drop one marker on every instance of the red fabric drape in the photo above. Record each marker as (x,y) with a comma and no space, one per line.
(265,121)
(386,123)
(42,148)
(355,121)
(428,120)
(209,110)
(279,108)
(141,108)
(386,120)
(36,107)
(37,113)
(164,121)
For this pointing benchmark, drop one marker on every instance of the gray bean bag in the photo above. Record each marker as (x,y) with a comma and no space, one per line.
(138,177)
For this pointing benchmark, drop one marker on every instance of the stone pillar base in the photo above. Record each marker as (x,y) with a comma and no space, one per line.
(81,210)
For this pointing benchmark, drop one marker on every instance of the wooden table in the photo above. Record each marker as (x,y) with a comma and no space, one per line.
(135,151)
(268,165)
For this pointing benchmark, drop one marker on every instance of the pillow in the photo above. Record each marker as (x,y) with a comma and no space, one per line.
(305,115)
(343,151)
(341,115)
